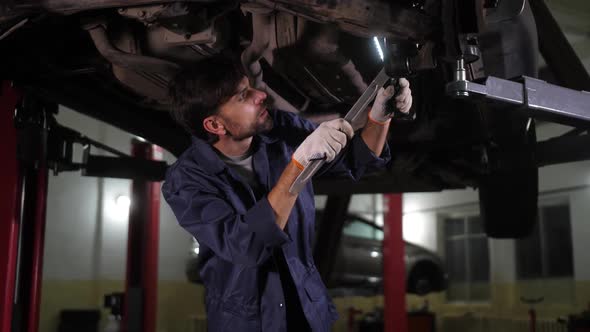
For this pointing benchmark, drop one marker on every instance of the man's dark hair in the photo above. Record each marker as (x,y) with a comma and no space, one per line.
(199,90)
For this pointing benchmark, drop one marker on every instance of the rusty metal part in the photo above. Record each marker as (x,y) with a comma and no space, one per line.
(149,14)
(261,29)
(288,29)
(152,85)
(425,58)
(128,60)
(261,33)
(362,18)
(147,76)
(75,6)
(162,42)
(207,36)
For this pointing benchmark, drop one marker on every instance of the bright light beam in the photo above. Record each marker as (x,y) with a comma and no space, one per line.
(378,46)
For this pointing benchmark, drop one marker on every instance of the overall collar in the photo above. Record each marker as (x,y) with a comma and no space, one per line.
(208,159)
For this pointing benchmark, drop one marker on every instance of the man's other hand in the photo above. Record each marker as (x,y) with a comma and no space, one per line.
(403,101)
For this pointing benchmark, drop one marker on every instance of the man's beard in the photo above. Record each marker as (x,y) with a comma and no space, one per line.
(254,129)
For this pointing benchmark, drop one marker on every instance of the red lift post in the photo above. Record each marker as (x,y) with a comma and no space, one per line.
(9,226)
(23,216)
(394,280)
(140,305)
(38,236)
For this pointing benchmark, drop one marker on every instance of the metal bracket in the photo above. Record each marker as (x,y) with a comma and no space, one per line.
(60,158)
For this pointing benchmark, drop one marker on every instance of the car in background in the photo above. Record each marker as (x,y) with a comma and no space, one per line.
(359,261)
(358,264)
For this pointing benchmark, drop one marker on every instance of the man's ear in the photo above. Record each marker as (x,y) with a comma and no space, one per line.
(213,125)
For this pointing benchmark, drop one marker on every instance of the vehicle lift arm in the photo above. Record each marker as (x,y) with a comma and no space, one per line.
(540,100)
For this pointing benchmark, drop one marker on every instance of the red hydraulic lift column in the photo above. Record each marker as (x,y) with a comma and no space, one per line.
(8,204)
(394,276)
(140,305)
(24,227)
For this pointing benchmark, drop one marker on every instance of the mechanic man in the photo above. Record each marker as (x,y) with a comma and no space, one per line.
(230,190)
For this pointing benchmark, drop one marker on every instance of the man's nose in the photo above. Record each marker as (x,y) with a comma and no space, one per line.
(260,96)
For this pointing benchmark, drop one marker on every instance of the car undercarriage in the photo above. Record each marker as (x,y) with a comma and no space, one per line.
(112,60)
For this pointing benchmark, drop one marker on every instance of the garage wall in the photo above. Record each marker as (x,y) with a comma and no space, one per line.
(72,259)
(86,241)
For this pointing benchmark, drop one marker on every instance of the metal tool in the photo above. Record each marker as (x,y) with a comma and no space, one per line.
(356,111)
(402,59)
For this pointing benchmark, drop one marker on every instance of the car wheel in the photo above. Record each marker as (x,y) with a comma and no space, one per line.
(424,277)
(508,202)
(422,286)
(508,192)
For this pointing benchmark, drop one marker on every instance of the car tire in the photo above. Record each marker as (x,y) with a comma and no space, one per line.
(424,278)
(508,192)
(422,286)
(508,202)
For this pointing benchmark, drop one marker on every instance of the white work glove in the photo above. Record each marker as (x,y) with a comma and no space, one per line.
(403,101)
(325,141)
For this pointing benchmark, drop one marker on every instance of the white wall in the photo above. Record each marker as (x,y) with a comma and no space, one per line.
(86,235)
(580,213)
(418,228)
(72,209)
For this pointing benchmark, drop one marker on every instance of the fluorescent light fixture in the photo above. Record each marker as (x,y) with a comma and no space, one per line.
(374,254)
(378,46)
(373,279)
